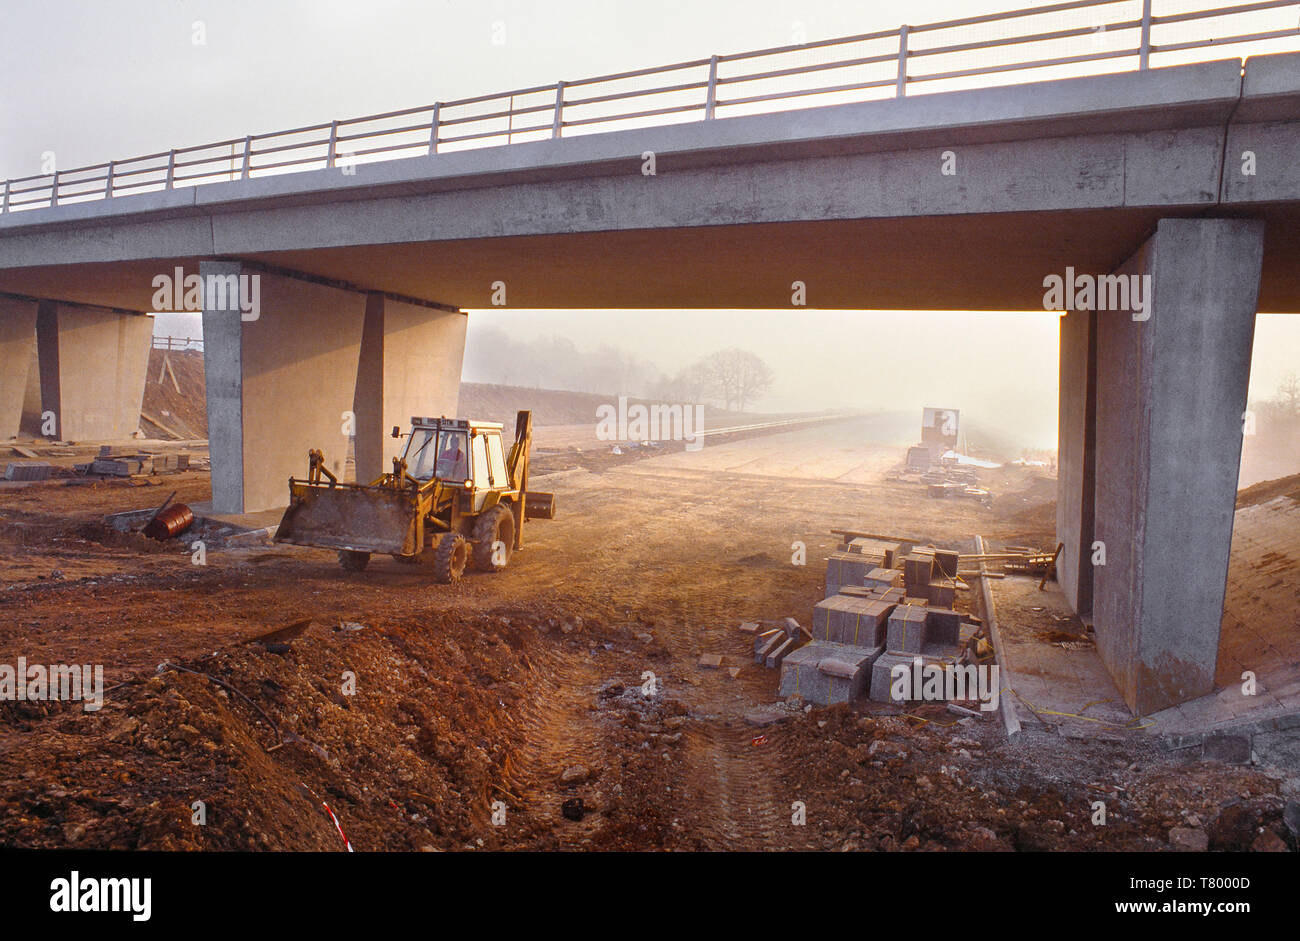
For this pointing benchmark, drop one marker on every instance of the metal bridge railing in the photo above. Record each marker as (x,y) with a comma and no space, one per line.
(1041,42)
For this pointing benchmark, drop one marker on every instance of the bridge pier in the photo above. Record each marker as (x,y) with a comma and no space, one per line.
(92,365)
(409,364)
(17,342)
(1151,428)
(318,364)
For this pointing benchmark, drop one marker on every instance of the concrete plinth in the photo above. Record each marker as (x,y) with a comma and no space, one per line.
(17,342)
(1170,396)
(317,365)
(92,369)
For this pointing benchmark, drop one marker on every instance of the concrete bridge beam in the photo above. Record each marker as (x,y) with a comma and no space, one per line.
(92,369)
(1156,398)
(308,366)
(17,343)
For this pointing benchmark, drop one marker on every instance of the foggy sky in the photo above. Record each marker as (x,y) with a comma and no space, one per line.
(88,81)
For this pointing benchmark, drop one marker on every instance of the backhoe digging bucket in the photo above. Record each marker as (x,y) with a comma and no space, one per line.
(349,516)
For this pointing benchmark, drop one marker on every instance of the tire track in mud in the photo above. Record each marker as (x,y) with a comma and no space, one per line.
(554,730)
(734,784)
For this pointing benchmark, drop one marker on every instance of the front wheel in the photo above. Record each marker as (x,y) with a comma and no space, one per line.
(450,558)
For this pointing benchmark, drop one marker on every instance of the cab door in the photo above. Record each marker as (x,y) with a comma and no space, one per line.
(480,471)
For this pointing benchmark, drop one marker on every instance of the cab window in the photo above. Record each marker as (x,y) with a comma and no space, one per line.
(480,461)
(497,462)
(453,461)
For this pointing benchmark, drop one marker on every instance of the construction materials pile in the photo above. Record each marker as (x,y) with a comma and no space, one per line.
(887,603)
(119,462)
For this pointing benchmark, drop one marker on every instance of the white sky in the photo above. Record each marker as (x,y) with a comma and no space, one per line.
(90,80)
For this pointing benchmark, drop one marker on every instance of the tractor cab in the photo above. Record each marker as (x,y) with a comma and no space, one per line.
(459,453)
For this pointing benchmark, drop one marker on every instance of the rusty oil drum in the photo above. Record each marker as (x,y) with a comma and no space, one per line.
(170,522)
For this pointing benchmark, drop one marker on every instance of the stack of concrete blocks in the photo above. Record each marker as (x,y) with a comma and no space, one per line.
(850,564)
(28,470)
(826,673)
(878,551)
(936,635)
(846,569)
(772,646)
(844,619)
(918,566)
(904,638)
(123,466)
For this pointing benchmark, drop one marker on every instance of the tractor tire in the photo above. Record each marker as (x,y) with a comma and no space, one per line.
(496,525)
(450,558)
(353,561)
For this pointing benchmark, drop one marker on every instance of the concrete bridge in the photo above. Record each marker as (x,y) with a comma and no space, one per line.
(966,200)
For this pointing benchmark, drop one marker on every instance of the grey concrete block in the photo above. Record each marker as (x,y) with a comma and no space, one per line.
(942,595)
(774,657)
(945,561)
(942,625)
(799,670)
(1228,748)
(917,568)
(906,631)
(847,568)
(28,470)
(882,678)
(765,643)
(883,579)
(826,673)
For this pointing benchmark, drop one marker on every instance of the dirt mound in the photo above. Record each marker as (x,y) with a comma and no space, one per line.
(175,400)
(1268,490)
(264,735)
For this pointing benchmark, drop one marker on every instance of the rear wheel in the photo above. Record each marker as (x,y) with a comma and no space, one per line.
(494,538)
(450,558)
(353,561)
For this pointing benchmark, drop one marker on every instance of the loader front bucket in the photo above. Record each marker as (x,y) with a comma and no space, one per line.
(349,516)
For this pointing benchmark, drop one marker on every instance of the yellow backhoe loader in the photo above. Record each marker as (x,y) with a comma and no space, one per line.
(453,494)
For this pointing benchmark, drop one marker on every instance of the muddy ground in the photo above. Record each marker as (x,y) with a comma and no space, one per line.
(457,718)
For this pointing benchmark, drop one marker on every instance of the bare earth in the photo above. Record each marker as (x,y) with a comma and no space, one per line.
(480,709)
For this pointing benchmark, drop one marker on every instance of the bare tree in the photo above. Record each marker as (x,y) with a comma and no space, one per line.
(1288,393)
(738,376)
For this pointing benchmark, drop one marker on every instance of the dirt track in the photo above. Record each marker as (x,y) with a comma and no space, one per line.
(514,692)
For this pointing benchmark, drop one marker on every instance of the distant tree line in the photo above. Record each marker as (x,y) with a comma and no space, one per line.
(1280,415)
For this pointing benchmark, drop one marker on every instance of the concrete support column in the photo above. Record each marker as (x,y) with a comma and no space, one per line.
(410,364)
(278,385)
(17,343)
(1076,457)
(1170,392)
(92,369)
